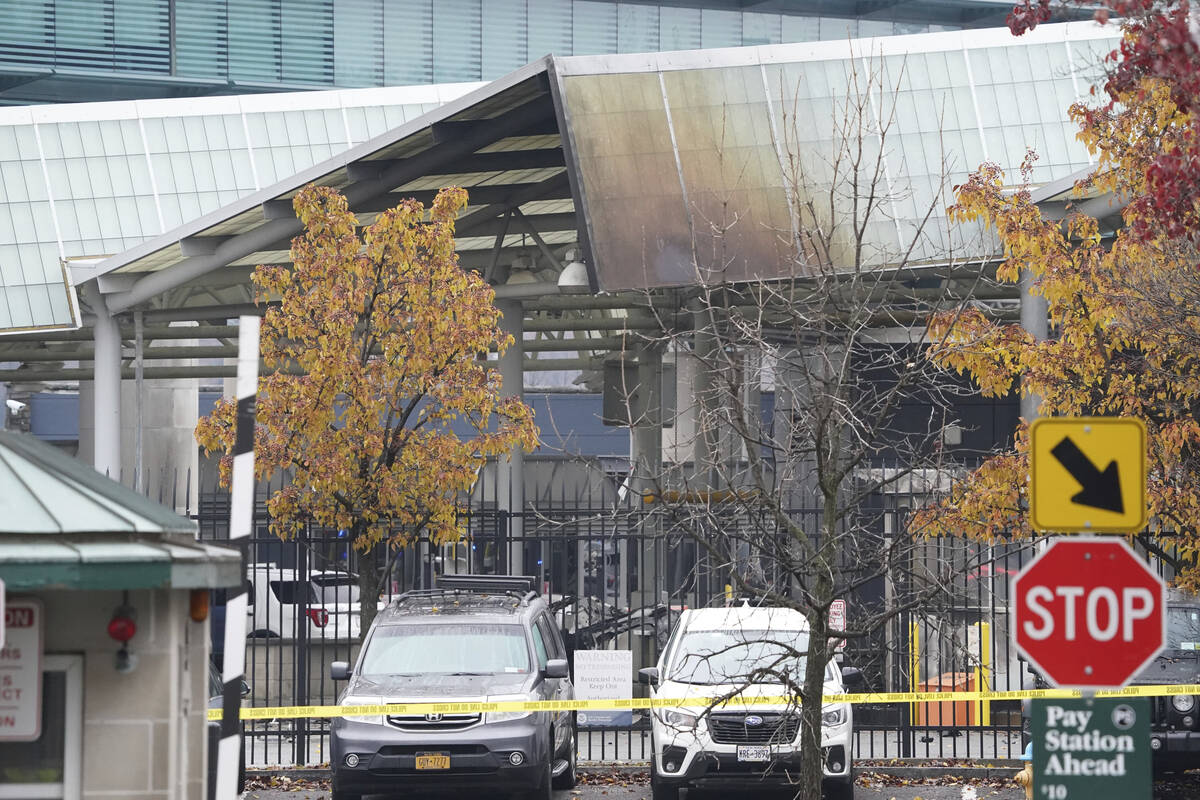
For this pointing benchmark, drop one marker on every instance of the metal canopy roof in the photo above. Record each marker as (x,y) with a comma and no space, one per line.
(634,157)
(502,143)
(630,156)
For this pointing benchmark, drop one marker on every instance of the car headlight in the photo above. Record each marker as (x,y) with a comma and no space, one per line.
(679,720)
(507,716)
(834,716)
(1183,703)
(374,719)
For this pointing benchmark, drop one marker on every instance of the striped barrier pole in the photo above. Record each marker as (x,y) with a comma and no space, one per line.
(241,520)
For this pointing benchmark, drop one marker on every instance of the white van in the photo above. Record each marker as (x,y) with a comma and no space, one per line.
(710,654)
(327,603)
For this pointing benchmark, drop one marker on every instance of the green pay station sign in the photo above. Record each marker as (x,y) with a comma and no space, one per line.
(1091,749)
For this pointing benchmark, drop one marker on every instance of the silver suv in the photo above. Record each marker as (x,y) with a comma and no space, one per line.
(474,638)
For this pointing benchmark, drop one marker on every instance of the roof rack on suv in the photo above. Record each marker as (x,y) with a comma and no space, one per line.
(497,584)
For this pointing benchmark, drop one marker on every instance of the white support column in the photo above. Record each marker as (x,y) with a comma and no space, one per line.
(1035,318)
(106,370)
(646,472)
(510,472)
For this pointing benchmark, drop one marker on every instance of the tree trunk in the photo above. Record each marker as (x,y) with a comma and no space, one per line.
(368,585)
(811,756)
(819,653)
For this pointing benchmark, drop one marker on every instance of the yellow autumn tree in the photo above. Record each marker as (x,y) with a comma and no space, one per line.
(1124,313)
(374,368)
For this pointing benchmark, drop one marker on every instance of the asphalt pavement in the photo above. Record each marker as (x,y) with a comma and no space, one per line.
(868,787)
(643,793)
(607,788)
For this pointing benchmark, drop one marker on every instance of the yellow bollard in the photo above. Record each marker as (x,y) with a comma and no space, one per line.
(983,674)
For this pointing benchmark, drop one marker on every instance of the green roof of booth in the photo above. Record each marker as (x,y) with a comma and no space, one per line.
(63,525)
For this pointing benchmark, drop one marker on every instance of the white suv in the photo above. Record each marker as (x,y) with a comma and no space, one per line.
(711,653)
(281,600)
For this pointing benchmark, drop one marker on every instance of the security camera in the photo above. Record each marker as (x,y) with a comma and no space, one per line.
(14,406)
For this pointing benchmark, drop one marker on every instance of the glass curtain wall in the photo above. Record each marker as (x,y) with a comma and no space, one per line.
(356,43)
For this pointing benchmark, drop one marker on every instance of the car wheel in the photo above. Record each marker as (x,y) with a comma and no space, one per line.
(545,790)
(568,778)
(839,790)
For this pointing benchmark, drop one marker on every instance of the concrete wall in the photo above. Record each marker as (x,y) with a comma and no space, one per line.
(170,453)
(143,732)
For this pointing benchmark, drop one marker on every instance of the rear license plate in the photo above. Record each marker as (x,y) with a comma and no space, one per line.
(754,752)
(433,761)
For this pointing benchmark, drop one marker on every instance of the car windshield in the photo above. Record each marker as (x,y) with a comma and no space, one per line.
(453,649)
(332,589)
(717,657)
(1183,628)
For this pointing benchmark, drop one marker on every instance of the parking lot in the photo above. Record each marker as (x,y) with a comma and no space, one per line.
(619,785)
(641,791)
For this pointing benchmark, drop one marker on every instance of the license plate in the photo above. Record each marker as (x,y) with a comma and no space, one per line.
(433,761)
(754,752)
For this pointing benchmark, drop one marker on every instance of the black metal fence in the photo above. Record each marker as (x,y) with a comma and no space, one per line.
(621,584)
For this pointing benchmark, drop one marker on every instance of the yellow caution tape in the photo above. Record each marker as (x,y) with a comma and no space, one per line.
(397,709)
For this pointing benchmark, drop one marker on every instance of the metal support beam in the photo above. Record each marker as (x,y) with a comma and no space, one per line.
(277,209)
(477,195)
(479,162)
(511,471)
(161,353)
(229,371)
(139,377)
(520,195)
(201,245)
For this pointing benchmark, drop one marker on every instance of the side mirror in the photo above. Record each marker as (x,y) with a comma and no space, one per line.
(245,688)
(852,676)
(339,671)
(648,675)
(557,668)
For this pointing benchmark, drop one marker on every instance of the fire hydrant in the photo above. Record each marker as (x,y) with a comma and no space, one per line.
(1024,778)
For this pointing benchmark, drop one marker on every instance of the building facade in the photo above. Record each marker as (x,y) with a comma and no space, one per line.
(76,50)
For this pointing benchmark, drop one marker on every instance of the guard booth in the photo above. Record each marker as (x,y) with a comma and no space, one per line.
(104,679)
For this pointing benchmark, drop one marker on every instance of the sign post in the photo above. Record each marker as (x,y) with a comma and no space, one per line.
(1088,613)
(1091,749)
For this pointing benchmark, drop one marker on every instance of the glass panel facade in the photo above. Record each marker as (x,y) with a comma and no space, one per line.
(394,42)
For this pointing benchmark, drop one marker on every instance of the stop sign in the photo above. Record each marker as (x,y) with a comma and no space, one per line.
(1088,613)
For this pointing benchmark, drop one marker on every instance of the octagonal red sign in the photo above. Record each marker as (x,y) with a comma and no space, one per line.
(1088,613)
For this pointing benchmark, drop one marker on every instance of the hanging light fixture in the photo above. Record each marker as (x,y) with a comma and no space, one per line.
(122,627)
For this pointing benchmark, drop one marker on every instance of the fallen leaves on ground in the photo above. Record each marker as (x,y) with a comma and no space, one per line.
(877,780)
(285,783)
(614,777)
